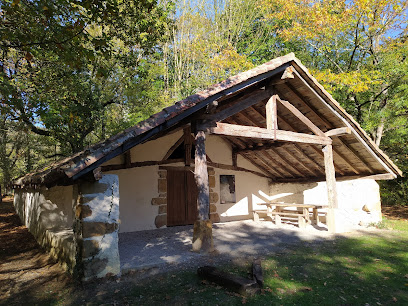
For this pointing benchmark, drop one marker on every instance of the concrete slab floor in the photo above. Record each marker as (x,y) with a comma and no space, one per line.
(155,248)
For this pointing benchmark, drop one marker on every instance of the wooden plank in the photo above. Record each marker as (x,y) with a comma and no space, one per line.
(261,133)
(201,177)
(287,162)
(240,105)
(235,168)
(268,166)
(339,132)
(142,164)
(279,164)
(316,165)
(265,146)
(302,164)
(173,147)
(260,167)
(301,117)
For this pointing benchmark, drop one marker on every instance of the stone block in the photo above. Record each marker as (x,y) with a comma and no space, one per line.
(213,197)
(159,201)
(162,209)
(215,218)
(162,185)
(86,211)
(90,248)
(93,267)
(91,229)
(161,220)
(211,181)
(162,173)
(213,208)
(163,195)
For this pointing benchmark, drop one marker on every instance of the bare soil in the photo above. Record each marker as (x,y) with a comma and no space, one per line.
(27,274)
(395,212)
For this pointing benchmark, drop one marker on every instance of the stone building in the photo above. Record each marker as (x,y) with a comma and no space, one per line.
(268,134)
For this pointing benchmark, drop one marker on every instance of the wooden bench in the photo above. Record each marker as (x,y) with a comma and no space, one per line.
(301,213)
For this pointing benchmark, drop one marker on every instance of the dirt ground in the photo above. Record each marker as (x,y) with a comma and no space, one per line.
(28,276)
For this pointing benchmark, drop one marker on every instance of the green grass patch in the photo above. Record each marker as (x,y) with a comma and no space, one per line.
(365,270)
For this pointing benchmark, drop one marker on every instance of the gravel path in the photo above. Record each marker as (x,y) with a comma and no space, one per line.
(155,250)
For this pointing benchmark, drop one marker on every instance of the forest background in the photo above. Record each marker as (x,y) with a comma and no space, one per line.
(76,72)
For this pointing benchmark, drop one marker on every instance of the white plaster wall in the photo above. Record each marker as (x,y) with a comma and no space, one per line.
(48,215)
(250,189)
(45,208)
(352,195)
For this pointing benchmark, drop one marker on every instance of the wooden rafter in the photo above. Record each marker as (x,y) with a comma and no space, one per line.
(173,147)
(328,125)
(286,161)
(301,117)
(260,167)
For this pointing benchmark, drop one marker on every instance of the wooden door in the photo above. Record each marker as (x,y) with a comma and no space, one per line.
(181,198)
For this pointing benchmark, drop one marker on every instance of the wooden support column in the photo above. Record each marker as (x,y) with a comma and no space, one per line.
(272,115)
(187,145)
(331,187)
(202,234)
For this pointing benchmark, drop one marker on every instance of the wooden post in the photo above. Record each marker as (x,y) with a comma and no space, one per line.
(202,235)
(272,115)
(331,186)
(187,145)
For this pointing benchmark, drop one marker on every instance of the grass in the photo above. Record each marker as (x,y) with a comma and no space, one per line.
(368,270)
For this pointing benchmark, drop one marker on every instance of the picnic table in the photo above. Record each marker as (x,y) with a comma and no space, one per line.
(301,212)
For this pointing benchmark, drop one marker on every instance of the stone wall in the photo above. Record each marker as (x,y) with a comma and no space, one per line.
(97,226)
(48,215)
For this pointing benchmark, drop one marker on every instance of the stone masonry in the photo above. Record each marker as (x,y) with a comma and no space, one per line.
(97,226)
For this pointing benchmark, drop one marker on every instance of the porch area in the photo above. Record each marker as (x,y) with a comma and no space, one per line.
(154,249)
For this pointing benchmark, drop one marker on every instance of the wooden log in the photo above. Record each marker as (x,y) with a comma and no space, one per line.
(272,114)
(128,159)
(257,272)
(230,281)
(261,133)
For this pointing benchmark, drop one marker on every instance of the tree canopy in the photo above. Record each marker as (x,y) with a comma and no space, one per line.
(75,72)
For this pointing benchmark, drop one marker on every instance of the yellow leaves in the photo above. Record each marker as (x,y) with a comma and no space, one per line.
(354,81)
(229,61)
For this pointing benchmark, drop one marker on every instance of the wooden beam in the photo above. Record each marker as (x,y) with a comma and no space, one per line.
(173,147)
(236,168)
(328,124)
(338,132)
(287,162)
(272,114)
(260,167)
(268,164)
(188,143)
(261,133)
(141,164)
(377,177)
(331,187)
(128,159)
(301,117)
(240,105)
(265,146)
